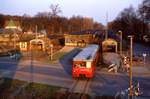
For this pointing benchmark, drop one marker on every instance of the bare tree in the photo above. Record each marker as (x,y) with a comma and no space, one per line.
(129,23)
(144,10)
(55,10)
(2,21)
(42,14)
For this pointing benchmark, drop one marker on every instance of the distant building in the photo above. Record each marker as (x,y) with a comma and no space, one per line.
(8,38)
(83,38)
(43,43)
(12,25)
(109,45)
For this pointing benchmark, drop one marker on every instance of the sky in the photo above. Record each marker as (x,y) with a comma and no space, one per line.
(96,9)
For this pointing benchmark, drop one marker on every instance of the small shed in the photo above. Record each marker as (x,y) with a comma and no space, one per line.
(109,45)
(38,43)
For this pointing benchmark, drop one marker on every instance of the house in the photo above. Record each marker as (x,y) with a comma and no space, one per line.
(11,24)
(8,37)
(83,38)
(37,42)
(12,37)
(109,45)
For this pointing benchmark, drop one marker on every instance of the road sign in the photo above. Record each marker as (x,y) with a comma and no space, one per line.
(144,54)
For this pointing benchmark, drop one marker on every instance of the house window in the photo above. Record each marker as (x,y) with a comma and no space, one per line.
(23,45)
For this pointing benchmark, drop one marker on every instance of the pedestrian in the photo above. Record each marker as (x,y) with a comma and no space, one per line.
(126,63)
(127,67)
(137,89)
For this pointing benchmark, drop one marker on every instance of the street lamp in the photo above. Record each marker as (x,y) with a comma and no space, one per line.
(120,32)
(130,73)
(51,53)
(144,56)
(106,34)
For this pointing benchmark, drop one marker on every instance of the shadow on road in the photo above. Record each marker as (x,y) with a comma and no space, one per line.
(66,60)
(8,67)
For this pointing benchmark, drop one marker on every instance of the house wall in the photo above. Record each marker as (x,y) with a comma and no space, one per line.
(78,40)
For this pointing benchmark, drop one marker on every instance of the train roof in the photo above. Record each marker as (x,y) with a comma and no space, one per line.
(87,54)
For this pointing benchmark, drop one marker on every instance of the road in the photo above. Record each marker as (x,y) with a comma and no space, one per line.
(36,72)
(103,83)
(60,75)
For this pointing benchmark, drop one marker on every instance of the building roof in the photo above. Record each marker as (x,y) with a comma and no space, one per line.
(109,41)
(87,32)
(9,31)
(12,24)
(87,54)
(113,35)
(54,36)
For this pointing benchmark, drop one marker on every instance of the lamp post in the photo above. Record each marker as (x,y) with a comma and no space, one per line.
(106,34)
(120,32)
(51,53)
(14,40)
(130,73)
(144,56)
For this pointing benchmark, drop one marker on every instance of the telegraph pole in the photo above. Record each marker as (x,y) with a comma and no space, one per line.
(14,40)
(130,73)
(106,34)
(36,31)
(51,53)
(120,42)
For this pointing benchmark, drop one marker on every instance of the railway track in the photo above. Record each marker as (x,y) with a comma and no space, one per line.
(79,89)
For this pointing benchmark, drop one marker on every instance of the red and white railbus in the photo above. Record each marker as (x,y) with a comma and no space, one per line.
(84,62)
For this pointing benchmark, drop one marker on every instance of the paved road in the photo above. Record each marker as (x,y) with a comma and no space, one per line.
(103,83)
(36,72)
(60,75)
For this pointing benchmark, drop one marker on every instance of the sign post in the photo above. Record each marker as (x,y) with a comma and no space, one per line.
(144,56)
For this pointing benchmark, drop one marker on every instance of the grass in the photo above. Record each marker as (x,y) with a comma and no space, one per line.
(10,85)
(31,91)
(41,90)
(57,56)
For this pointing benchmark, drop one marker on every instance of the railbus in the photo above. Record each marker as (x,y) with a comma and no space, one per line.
(85,61)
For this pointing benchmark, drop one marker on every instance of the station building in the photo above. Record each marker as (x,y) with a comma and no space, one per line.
(83,38)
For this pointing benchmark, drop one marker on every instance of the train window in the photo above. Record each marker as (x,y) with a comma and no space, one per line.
(88,64)
(80,65)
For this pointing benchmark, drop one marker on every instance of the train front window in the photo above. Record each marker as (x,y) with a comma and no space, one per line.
(88,64)
(79,65)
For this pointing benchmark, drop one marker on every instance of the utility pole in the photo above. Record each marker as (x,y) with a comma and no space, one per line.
(120,33)
(130,73)
(106,34)
(36,32)
(51,53)
(14,39)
